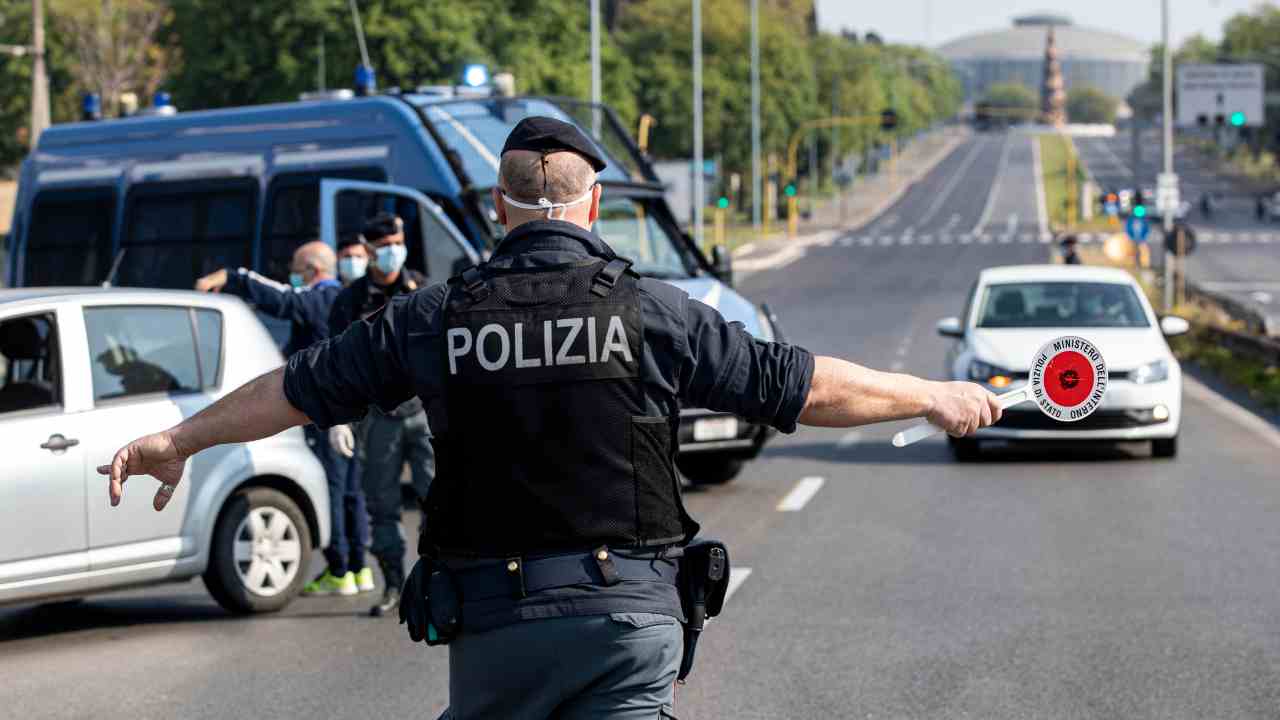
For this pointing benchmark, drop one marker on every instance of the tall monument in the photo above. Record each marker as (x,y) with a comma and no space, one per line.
(1053,97)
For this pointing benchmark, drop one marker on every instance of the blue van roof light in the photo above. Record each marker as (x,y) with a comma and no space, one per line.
(91,107)
(366,81)
(162,99)
(475,76)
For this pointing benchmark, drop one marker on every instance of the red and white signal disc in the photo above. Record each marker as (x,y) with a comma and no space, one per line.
(1068,378)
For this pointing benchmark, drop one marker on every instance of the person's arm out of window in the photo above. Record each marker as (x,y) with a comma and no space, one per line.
(784,385)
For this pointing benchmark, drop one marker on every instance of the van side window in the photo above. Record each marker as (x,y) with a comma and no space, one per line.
(293,214)
(29,374)
(444,257)
(69,241)
(177,232)
(137,350)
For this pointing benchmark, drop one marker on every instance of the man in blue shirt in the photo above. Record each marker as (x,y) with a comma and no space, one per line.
(306,302)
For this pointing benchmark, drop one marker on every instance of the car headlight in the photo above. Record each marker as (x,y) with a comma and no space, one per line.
(1151,372)
(988,374)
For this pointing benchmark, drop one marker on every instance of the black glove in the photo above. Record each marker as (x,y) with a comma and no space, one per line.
(413,601)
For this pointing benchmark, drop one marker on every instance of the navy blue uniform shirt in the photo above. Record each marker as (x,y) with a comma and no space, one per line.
(690,353)
(307,308)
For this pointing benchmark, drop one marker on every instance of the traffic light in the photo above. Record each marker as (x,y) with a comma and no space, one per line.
(1237,119)
(888,119)
(1139,211)
(790,190)
(723,202)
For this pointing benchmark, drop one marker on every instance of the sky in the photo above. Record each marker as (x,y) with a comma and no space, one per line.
(934,22)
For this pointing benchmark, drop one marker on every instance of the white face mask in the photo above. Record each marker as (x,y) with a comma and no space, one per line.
(352,267)
(391,258)
(550,207)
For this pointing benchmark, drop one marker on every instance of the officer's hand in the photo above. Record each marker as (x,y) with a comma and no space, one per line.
(154,455)
(413,603)
(213,282)
(342,440)
(960,408)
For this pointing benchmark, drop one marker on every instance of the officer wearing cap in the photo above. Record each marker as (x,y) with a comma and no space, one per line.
(555,376)
(384,441)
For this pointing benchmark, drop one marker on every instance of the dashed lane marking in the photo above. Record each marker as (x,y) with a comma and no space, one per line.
(849,439)
(737,576)
(801,494)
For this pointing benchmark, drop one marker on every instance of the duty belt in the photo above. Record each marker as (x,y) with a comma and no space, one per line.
(518,577)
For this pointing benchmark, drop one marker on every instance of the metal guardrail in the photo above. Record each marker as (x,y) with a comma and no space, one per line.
(1255,320)
(1262,349)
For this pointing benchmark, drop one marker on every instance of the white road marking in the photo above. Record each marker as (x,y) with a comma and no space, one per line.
(955,179)
(849,439)
(1243,286)
(995,186)
(1232,411)
(801,494)
(737,576)
(785,256)
(867,241)
(946,239)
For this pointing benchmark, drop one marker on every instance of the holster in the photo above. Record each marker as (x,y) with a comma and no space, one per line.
(703,582)
(444,607)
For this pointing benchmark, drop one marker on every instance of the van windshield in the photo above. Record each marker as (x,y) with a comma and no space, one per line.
(477,128)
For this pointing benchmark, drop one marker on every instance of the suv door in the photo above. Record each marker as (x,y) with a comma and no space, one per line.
(149,369)
(436,248)
(42,484)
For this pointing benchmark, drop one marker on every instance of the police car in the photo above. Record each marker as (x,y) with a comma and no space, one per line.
(162,199)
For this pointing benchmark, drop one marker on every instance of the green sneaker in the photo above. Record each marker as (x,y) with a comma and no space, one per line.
(328,584)
(364,580)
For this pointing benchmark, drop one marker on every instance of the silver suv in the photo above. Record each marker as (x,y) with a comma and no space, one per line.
(82,372)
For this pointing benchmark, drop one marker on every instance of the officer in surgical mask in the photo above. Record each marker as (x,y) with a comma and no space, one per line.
(353,259)
(384,442)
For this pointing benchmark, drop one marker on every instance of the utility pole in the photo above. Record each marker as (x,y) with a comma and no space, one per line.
(757,192)
(595,68)
(1167,214)
(39,80)
(699,172)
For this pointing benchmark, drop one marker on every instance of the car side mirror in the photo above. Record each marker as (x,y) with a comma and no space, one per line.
(722,264)
(950,327)
(1172,325)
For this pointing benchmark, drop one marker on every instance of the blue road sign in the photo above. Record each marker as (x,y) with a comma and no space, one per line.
(1137,228)
(1111,208)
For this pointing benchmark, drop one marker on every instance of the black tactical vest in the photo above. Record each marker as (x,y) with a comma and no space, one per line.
(548,447)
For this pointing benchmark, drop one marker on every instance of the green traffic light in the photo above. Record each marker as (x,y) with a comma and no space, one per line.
(1140,211)
(722,203)
(1237,119)
(790,191)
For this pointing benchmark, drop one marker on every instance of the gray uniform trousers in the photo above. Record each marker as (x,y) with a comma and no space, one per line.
(385,444)
(621,666)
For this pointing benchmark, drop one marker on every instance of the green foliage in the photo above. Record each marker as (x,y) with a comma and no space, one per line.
(1089,105)
(15,82)
(1011,98)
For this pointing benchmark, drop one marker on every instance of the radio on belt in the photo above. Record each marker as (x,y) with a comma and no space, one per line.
(1068,380)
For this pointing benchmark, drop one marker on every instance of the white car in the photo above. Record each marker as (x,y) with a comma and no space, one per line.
(1012,311)
(82,372)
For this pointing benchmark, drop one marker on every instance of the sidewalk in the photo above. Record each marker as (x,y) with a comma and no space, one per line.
(857,206)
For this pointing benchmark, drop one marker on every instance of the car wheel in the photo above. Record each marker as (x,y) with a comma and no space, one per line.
(965,449)
(1165,447)
(261,549)
(709,469)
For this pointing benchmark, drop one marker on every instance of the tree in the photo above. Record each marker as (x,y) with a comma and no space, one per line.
(1011,101)
(1090,106)
(114,43)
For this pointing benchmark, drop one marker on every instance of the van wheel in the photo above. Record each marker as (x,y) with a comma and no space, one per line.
(1165,447)
(709,469)
(261,549)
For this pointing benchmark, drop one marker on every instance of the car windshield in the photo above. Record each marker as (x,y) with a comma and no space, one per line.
(1061,304)
(636,234)
(477,128)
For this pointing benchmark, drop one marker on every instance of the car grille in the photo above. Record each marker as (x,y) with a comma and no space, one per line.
(1099,420)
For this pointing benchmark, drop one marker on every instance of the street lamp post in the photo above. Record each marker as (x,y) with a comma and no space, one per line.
(757,192)
(699,172)
(39,79)
(596,81)
(1167,213)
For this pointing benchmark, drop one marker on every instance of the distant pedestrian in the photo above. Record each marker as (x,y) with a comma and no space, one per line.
(307,302)
(1069,254)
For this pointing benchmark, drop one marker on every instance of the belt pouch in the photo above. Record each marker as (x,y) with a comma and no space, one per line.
(703,583)
(444,608)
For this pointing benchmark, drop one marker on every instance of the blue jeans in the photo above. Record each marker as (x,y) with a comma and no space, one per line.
(385,444)
(348,517)
(621,666)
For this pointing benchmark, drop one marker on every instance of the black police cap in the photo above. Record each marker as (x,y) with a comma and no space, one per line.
(547,135)
(380,226)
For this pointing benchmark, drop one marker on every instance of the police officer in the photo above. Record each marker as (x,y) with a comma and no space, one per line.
(555,377)
(307,301)
(386,440)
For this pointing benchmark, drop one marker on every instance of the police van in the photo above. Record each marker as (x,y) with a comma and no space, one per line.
(162,199)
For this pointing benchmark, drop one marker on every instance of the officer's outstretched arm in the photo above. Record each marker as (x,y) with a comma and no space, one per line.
(843,394)
(256,410)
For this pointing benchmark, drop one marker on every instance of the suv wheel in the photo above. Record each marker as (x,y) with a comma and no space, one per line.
(261,548)
(709,469)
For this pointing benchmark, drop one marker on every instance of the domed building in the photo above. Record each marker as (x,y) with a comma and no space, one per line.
(1111,62)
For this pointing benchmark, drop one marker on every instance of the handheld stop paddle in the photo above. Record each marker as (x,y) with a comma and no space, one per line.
(1068,380)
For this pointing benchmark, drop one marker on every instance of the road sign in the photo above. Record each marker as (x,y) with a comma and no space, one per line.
(1111,208)
(1068,380)
(1167,195)
(1137,228)
(1218,94)
(1182,241)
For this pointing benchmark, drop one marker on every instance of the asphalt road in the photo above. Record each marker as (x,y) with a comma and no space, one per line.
(1239,255)
(1040,584)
